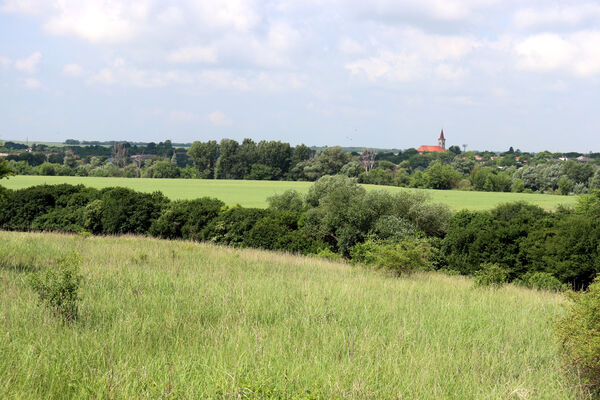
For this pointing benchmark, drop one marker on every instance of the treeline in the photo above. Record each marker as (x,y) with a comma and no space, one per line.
(511,171)
(338,218)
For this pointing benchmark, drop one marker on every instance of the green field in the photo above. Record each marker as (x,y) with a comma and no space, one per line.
(182,320)
(255,193)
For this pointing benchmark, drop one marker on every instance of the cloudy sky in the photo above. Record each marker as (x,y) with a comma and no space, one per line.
(378,73)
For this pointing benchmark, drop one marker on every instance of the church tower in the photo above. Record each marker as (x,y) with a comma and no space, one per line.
(442,140)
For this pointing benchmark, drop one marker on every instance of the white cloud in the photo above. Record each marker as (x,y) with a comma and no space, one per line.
(193,55)
(414,55)
(98,20)
(29,64)
(569,15)
(441,10)
(218,118)
(72,69)
(182,116)
(105,77)
(577,53)
(31,83)
(239,15)
(5,62)
(351,47)
(389,66)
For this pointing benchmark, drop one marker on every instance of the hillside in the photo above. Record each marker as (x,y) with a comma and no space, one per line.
(173,319)
(254,193)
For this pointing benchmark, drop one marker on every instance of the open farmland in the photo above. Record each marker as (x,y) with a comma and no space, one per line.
(255,193)
(173,319)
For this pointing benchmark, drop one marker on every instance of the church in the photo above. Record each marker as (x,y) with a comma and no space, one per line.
(440,147)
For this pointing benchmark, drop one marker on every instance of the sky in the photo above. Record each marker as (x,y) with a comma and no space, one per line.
(378,73)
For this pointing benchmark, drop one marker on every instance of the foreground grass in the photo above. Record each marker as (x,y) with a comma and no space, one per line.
(174,319)
(255,193)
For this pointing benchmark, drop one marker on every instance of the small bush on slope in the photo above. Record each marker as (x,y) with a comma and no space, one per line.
(491,274)
(58,288)
(401,258)
(579,335)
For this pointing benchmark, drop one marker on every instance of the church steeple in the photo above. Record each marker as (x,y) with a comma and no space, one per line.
(442,140)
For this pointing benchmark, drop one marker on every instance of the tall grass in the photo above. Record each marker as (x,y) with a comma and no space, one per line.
(162,319)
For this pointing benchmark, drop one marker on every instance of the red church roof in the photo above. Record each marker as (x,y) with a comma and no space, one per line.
(429,149)
(442,135)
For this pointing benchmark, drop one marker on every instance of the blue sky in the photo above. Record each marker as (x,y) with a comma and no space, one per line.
(382,73)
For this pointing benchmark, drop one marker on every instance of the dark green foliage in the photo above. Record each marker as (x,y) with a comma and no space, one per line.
(67,219)
(279,231)
(25,205)
(122,210)
(232,226)
(5,169)
(186,219)
(477,237)
(58,287)
(579,335)
(491,275)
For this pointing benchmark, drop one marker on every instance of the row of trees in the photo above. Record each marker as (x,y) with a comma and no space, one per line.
(339,218)
(275,160)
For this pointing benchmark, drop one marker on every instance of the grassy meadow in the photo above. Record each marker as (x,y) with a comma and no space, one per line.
(174,319)
(255,193)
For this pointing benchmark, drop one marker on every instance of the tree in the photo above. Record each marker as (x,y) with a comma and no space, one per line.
(5,172)
(578,172)
(228,165)
(119,154)
(204,157)
(454,149)
(5,169)
(565,185)
(276,155)
(440,176)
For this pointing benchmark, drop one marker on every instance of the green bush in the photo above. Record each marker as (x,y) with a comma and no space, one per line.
(541,281)
(186,218)
(327,254)
(58,287)
(401,258)
(491,275)
(232,226)
(579,335)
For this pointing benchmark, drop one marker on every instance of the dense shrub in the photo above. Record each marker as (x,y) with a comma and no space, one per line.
(400,258)
(342,214)
(290,200)
(122,210)
(579,336)
(25,205)
(186,219)
(58,287)
(232,226)
(476,237)
(541,281)
(491,275)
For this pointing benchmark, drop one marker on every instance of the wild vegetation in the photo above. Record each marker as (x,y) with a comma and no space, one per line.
(174,319)
(510,171)
(341,217)
(255,193)
(401,234)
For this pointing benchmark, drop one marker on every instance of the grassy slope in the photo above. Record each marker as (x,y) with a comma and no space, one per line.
(254,193)
(183,320)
